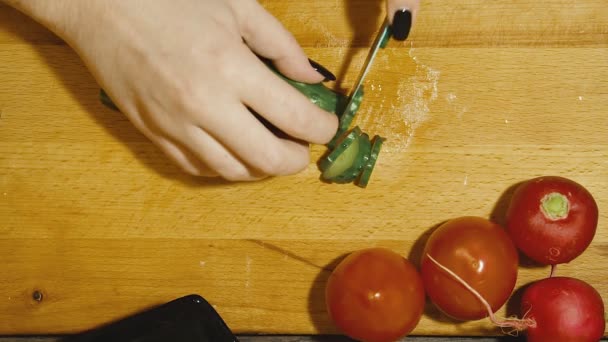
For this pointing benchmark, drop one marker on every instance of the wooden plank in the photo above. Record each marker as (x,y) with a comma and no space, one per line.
(483,95)
(469,23)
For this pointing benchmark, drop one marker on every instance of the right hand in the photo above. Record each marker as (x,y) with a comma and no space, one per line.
(399,18)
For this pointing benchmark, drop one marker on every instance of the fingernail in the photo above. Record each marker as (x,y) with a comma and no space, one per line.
(402,23)
(321,70)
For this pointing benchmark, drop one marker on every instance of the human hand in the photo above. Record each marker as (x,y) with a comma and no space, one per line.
(402,15)
(185,73)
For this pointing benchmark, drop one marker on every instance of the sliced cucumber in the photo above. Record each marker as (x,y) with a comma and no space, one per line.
(343,156)
(358,164)
(371,162)
(346,117)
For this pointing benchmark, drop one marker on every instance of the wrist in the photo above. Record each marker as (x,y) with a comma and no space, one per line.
(62,17)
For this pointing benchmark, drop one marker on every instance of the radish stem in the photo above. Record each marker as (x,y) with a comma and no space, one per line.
(515,323)
(555,206)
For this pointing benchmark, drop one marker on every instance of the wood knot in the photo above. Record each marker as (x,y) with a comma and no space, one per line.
(37,295)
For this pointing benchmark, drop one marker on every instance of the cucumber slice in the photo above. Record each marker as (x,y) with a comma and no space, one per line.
(359,163)
(371,162)
(343,156)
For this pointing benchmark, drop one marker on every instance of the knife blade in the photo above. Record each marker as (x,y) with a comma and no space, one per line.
(379,42)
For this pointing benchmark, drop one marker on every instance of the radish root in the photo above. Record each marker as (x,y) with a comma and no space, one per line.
(553,271)
(510,326)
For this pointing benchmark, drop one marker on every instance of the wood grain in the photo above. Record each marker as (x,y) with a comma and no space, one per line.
(482,96)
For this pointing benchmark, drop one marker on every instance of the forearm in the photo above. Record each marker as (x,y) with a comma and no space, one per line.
(52,14)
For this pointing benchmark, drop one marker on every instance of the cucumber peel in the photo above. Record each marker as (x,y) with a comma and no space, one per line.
(347,116)
(340,158)
(353,159)
(355,169)
(346,161)
(329,100)
(366,173)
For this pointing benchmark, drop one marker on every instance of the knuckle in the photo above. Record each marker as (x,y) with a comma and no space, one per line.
(229,64)
(188,98)
(192,96)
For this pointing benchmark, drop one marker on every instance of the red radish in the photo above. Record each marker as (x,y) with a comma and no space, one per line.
(552,219)
(564,310)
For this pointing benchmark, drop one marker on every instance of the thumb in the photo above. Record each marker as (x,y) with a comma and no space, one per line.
(267,37)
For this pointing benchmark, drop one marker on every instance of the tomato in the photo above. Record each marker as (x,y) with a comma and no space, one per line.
(564,310)
(375,295)
(552,219)
(479,252)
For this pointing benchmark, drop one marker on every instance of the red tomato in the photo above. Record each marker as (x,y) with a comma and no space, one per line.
(480,253)
(564,310)
(552,219)
(375,295)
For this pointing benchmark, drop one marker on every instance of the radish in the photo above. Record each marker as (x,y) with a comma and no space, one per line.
(552,219)
(555,309)
(564,310)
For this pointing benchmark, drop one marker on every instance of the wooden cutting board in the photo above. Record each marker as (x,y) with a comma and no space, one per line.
(483,95)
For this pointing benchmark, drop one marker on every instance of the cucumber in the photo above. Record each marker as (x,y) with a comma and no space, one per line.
(346,162)
(343,156)
(371,162)
(329,100)
(346,117)
(355,169)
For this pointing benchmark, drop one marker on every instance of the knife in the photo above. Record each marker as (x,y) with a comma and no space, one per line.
(379,42)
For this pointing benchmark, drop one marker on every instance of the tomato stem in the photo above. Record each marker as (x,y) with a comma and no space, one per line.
(555,206)
(515,324)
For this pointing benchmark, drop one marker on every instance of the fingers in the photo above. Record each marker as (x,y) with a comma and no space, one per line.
(229,141)
(284,106)
(180,156)
(198,154)
(402,15)
(267,37)
(184,159)
(217,157)
(246,138)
